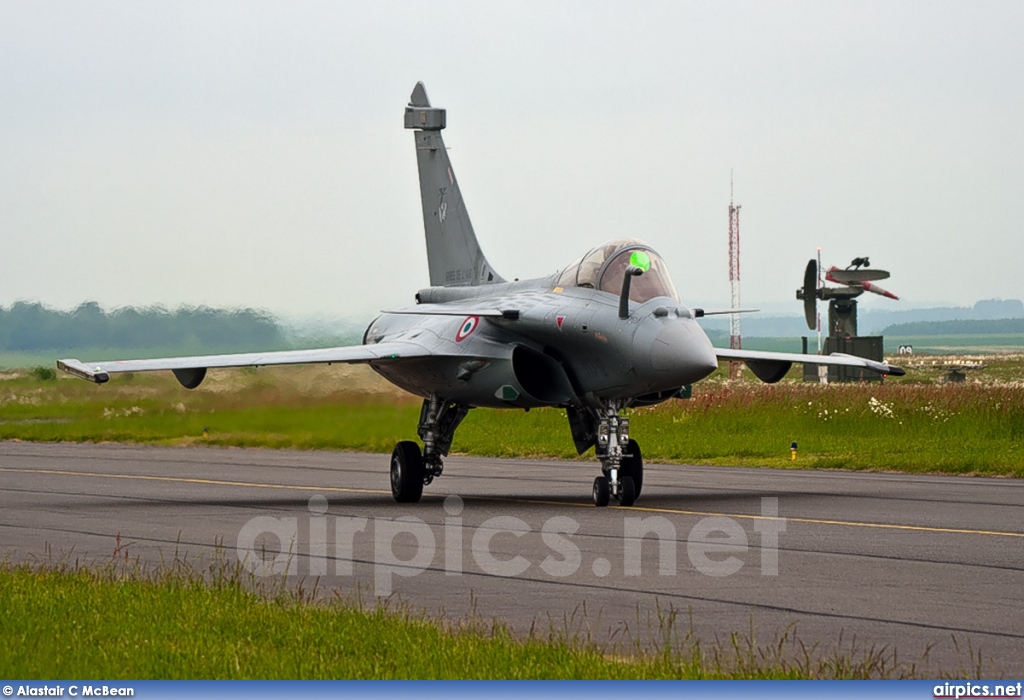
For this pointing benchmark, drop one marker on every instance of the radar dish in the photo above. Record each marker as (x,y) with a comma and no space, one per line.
(811,294)
(853,276)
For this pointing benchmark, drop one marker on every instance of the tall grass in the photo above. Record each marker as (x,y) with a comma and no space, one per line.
(908,427)
(917,425)
(180,621)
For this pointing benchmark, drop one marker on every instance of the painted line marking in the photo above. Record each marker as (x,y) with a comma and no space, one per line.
(846,523)
(190,480)
(670,511)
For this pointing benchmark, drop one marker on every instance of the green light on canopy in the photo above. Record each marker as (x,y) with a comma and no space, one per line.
(639,258)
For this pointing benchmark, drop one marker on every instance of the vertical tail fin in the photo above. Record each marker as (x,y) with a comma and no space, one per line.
(453,253)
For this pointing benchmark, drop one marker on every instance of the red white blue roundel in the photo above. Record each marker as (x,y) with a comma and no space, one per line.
(467,328)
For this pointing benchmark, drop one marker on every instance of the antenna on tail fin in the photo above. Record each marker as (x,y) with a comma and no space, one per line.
(453,253)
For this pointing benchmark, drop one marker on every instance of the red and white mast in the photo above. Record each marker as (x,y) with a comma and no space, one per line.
(735,340)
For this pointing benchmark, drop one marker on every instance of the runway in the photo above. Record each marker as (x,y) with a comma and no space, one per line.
(908,562)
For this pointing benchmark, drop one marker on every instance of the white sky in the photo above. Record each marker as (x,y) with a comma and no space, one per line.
(252,154)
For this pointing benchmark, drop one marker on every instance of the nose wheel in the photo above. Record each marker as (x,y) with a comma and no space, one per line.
(603,491)
(627,491)
(621,461)
(632,465)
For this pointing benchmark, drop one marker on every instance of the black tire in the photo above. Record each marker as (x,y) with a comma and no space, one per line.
(627,491)
(633,466)
(407,472)
(602,491)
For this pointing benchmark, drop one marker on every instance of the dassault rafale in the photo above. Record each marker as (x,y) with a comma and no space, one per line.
(605,333)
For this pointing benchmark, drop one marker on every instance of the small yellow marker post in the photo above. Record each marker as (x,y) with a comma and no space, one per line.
(792,451)
(206,433)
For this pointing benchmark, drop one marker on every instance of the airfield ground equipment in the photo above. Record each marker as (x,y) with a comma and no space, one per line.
(842,335)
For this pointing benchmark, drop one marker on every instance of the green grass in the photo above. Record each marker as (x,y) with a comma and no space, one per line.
(258,409)
(913,428)
(70,622)
(916,425)
(958,343)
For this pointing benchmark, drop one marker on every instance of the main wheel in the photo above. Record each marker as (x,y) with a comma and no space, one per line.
(602,491)
(627,491)
(633,466)
(407,472)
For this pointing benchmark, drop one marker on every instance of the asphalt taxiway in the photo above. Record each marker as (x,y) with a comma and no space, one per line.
(932,566)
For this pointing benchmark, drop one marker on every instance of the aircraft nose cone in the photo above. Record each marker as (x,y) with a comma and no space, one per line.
(684,351)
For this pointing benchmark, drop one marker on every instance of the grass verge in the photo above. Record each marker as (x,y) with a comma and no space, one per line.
(915,425)
(119,622)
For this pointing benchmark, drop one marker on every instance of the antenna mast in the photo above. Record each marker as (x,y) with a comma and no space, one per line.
(735,340)
(820,285)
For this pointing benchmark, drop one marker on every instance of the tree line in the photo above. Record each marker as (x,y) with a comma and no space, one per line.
(1000,326)
(30,326)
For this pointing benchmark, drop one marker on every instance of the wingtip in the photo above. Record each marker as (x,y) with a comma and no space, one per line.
(80,370)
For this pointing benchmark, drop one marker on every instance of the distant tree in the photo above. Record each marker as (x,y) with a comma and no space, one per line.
(85,323)
(30,326)
(982,327)
(999,308)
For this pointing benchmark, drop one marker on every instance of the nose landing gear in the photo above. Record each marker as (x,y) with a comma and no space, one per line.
(621,461)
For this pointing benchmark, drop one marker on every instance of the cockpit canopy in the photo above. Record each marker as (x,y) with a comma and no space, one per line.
(604,267)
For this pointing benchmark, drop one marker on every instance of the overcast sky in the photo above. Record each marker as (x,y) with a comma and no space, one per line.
(252,154)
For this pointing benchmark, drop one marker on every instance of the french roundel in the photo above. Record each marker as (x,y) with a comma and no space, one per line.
(467,328)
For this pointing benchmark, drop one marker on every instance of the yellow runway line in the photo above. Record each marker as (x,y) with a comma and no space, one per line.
(665,511)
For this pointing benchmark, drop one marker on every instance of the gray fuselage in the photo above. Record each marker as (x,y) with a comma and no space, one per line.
(553,346)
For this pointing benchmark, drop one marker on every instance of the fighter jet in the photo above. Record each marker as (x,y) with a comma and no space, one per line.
(605,333)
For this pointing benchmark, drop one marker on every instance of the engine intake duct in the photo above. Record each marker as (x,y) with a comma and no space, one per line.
(540,376)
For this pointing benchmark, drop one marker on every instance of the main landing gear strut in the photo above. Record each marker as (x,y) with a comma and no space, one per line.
(411,469)
(621,462)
